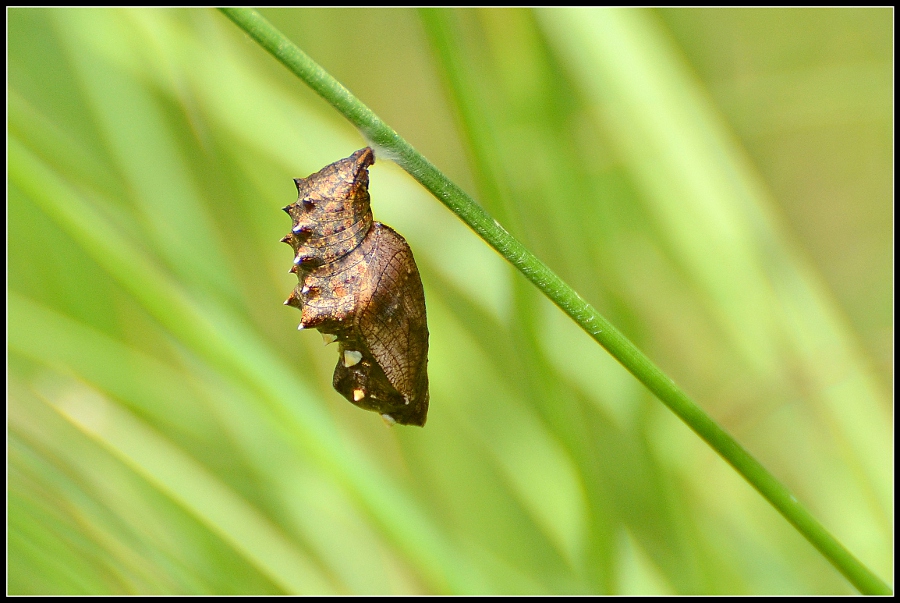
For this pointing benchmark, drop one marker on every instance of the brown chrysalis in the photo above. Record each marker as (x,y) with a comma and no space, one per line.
(359,285)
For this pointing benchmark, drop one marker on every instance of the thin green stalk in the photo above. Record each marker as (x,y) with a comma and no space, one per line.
(389,144)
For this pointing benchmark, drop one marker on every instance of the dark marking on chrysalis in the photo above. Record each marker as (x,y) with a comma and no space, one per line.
(358,284)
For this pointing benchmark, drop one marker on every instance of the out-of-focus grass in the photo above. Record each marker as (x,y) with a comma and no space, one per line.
(699,176)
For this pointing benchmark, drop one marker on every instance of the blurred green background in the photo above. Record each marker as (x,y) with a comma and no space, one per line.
(717,182)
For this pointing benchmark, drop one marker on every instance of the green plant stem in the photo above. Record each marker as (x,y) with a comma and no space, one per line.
(389,144)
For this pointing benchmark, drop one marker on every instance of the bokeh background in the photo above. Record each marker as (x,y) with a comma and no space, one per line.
(717,182)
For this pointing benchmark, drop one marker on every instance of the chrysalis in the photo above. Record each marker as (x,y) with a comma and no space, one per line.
(359,285)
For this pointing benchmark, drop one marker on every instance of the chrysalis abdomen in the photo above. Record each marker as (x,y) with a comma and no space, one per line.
(358,284)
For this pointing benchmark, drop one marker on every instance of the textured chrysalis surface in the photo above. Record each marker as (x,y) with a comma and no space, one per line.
(359,286)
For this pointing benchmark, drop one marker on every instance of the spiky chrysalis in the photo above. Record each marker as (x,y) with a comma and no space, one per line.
(358,284)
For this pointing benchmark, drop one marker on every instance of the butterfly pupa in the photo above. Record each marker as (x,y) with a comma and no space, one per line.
(359,285)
